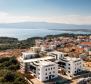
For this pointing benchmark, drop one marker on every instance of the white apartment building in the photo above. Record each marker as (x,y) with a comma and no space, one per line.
(70,65)
(56,54)
(36,49)
(48,47)
(26,56)
(29,55)
(42,68)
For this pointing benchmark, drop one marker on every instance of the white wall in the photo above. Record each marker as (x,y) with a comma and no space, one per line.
(43,72)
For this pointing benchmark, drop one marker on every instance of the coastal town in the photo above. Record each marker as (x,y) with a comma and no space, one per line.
(45,41)
(58,60)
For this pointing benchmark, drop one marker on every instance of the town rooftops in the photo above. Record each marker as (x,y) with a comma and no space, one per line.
(86,43)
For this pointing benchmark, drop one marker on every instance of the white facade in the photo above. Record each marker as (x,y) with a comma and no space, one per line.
(29,55)
(26,56)
(36,49)
(57,55)
(48,47)
(43,48)
(43,70)
(47,70)
(72,66)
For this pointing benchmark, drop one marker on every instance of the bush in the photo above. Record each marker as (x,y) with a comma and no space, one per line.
(8,71)
(9,63)
(9,77)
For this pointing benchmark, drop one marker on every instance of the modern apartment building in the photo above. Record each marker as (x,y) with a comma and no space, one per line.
(70,65)
(46,68)
(56,54)
(42,68)
(26,56)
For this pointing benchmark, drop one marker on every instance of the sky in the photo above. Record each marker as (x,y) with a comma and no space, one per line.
(52,11)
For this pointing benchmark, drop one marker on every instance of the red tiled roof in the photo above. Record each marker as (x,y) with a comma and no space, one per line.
(86,43)
(79,49)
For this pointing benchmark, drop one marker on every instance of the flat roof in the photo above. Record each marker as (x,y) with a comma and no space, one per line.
(37,59)
(27,53)
(71,59)
(44,63)
(56,52)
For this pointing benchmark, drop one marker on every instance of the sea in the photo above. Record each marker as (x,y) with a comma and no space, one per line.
(24,33)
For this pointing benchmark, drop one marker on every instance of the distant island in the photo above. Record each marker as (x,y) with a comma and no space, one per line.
(82,30)
(45,25)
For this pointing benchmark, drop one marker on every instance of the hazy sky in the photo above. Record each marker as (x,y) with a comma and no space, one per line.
(56,11)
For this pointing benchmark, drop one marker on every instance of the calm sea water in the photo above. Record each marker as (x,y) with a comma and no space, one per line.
(27,33)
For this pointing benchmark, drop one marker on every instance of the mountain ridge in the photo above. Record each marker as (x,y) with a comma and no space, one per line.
(37,25)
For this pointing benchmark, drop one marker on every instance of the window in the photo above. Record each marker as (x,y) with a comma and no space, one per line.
(69,64)
(49,69)
(46,74)
(53,67)
(46,69)
(79,70)
(53,76)
(68,71)
(46,77)
(68,67)
(53,71)
(49,72)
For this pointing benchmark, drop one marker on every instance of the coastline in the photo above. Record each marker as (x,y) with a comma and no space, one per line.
(23,34)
